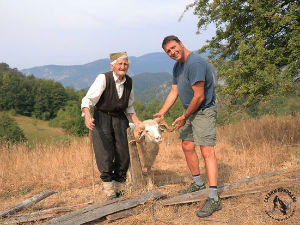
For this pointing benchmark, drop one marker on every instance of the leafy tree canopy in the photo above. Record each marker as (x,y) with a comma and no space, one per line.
(30,96)
(256,47)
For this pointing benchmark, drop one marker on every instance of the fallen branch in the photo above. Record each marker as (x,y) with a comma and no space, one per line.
(26,203)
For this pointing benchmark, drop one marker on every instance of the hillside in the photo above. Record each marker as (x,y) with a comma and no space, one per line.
(38,131)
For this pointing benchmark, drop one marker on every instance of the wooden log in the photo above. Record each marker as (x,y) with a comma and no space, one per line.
(100,212)
(201,195)
(26,203)
(135,172)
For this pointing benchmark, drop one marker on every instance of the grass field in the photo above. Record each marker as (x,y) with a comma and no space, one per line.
(246,148)
(38,131)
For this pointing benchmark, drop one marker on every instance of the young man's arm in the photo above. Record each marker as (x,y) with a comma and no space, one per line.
(195,103)
(198,98)
(169,102)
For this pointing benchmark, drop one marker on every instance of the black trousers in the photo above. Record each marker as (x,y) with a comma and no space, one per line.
(111,146)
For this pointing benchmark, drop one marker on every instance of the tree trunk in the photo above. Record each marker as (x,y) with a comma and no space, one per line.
(135,173)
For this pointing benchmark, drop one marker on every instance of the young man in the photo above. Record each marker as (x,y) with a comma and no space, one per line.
(112,95)
(193,82)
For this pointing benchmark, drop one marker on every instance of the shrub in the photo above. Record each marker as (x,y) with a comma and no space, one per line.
(9,130)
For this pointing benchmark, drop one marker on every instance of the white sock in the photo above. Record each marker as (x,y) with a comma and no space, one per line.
(198,180)
(213,192)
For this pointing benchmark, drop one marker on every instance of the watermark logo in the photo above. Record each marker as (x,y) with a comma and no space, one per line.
(280,204)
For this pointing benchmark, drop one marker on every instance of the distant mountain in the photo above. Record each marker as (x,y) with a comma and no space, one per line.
(82,76)
(146,81)
(158,92)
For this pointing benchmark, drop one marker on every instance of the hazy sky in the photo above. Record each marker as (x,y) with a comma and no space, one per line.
(71,32)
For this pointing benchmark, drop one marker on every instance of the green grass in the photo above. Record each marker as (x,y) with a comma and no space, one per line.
(38,131)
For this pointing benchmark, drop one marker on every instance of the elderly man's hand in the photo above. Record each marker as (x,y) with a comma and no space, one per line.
(89,122)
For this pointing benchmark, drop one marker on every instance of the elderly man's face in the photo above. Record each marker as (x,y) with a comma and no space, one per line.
(120,67)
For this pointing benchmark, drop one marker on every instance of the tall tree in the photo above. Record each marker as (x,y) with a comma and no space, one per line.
(256,47)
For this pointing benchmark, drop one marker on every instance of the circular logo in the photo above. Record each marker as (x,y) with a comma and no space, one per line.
(280,204)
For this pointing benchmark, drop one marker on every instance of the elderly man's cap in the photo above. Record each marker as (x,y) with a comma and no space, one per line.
(117,55)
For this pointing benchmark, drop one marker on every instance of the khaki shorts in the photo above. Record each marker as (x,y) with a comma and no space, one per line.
(201,127)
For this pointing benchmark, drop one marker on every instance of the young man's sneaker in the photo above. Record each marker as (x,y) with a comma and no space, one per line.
(210,206)
(192,188)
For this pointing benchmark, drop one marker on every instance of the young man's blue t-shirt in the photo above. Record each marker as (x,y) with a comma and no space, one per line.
(194,69)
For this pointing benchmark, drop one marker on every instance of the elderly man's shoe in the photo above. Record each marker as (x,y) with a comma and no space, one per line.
(109,190)
(119,188)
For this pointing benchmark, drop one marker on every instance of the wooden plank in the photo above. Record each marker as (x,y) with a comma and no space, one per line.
(26,203)
(27,218)
(100,212)
(79,212)
(55,210)
(136,178)
(250,179)
(124,214)
(259,190)
(200,195)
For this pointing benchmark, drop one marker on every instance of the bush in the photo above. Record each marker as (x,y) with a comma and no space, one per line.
(9,130)
(69,117)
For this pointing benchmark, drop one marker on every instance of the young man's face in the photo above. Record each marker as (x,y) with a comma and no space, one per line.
(175,50)
(120,67)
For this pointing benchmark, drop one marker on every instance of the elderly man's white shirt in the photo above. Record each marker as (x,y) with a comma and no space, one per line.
(97,88)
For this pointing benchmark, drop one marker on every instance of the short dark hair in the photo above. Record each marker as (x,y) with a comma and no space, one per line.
(170,38)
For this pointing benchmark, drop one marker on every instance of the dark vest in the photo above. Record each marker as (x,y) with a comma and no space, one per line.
(109,101)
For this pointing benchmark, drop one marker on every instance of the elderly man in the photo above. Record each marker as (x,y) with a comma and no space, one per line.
(112,95)
(193,82)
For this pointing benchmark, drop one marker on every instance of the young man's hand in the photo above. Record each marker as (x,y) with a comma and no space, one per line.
(159,115)
(179,122)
